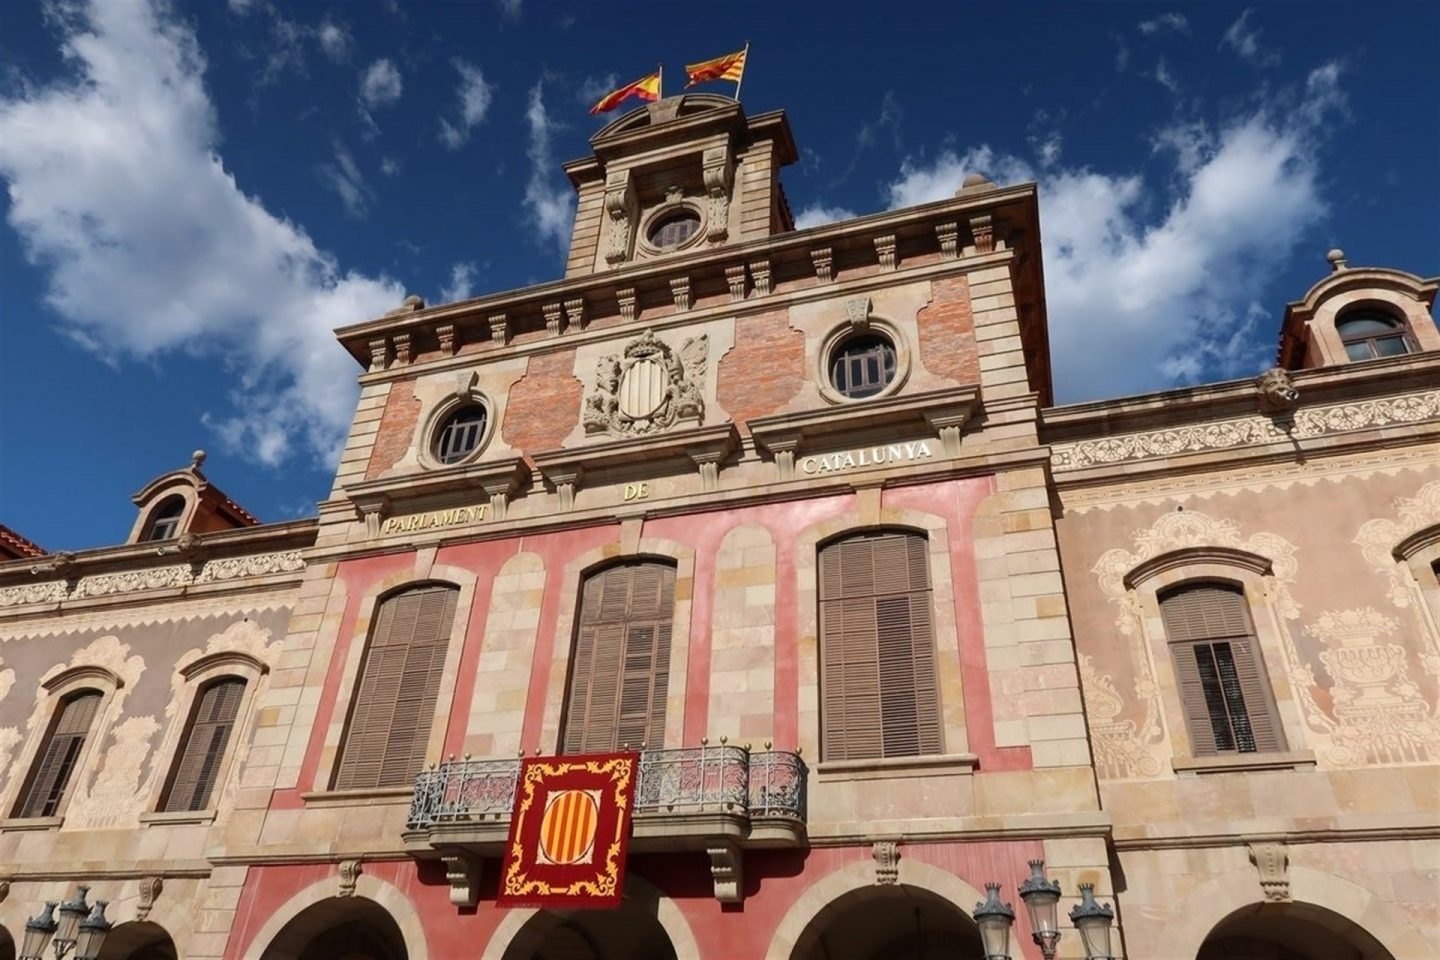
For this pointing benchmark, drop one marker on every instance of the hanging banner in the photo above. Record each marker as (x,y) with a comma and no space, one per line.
(569,832)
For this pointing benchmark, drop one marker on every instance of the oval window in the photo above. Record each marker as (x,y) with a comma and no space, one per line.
(862,366)
(460,433)
(674,229)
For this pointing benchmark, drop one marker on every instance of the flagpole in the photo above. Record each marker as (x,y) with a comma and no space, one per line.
(661,83)
(742,72)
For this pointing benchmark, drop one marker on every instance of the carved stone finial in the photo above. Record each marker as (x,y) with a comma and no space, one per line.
(1272,862)
(887,861)
(1275,391)
(150,888)
(349,874)
(974,183)
(415,302)
(196,459)
(1337,260)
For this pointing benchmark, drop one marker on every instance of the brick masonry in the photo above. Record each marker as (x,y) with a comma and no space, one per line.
(764,370)
(397,428)
(545,404)
(947,332)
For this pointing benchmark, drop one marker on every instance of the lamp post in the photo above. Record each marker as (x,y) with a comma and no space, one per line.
(1041,897)
(80,927)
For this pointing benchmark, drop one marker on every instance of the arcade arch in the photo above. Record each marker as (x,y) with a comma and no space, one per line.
(339,928)
(890,922)
(1290,931)
(138,940)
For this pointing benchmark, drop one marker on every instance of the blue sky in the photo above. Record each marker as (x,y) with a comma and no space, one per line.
(197,193)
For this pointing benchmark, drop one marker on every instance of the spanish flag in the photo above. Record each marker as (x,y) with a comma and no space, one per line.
(646,88)
(729,67)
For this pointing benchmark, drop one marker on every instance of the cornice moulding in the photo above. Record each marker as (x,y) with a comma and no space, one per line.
(933,411)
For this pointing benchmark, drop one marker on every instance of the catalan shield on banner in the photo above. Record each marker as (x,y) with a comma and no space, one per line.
(570,831)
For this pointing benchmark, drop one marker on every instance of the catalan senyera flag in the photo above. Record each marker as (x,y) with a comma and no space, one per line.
(570,831)
(729,67)
(646,88)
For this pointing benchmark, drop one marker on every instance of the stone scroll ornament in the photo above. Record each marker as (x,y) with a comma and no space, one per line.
(647,387)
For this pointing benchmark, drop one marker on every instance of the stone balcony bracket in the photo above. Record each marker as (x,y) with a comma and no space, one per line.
(554,318)
(680,293)
(735,279)
(824,260)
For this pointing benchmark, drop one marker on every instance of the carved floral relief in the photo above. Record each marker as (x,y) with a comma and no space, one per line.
(114,797)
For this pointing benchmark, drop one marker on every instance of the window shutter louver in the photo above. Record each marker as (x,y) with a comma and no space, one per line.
(620,673)
(879,694)
(60,755)
(395,699)
(1226,699)
(211,723)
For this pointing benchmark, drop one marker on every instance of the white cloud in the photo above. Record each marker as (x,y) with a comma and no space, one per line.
(345,178)
(593,88)
(1146,288)
(1165,23)
(551,205)
(475,95)
(1245,41)
(389,166)
(380,85)
(241,6)
(151,247)
(461,285)
(1166,77)
(335,39)
(509,9)
(817,215)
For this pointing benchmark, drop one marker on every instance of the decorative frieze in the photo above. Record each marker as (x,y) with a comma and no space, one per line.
(554,318)
(627,298)
(885,251)
(735,278)
(153,578)
(823,259)
(949,236)
(680,291)
(1246,431)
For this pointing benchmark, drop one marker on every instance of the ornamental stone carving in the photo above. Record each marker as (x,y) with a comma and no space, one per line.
(1378,539)
(1275,391)
(46,591)
(887,862)
(718,168)
(1244,431)
(257,565)
(131,581)
(622,211)
(647,387)
(1272,863)
(115,798)
(150,889)
(1120,751)
(349,871)
(153,578)
(7,679)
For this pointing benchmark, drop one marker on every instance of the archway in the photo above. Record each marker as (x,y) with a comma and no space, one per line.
(897,922)
(1290,931)
(632,932)
(339,928)
(138,940)
(7,945)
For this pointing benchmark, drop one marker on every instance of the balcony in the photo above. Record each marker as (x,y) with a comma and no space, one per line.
(718,798)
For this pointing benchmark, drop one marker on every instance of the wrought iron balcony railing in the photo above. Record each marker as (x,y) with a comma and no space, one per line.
(718,778)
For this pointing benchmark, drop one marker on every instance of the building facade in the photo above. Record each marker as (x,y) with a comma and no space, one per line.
(791,514)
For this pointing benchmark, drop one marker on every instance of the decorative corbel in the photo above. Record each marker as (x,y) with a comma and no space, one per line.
(554,318)
(982,229)
(760,276)
(1272,862)
(824,260)
(402,348)
(446,333)
(887,862)
(857,311)
(784,454)
(349,874)
(379,354)
(949,236)
(948,422)
(680,291)
(620,207)
(499,328)
(1275,391)
(727,870)
(462,872)
(464,381)
(575,313)
(718,169)
(708,463)
(150,889)
(627,297)
(735,277)
(374,508)
(565,478)
(885,250)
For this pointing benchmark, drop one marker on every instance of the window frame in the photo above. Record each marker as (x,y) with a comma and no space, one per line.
(159,515)
(1400,330)
(76,771)
(936,718)
(835,341)
(428,441)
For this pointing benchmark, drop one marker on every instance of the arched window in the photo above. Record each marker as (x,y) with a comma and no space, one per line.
(212,720)
(1372,333)
(59,755)
(620,672)
(1229,706)
(394,703)
(165,521)
(878,694)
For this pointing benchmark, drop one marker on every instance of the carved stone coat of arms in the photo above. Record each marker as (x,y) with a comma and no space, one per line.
(647,387)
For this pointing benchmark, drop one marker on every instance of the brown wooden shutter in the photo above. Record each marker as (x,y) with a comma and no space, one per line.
(620,673)
(395,699)
(879,694)
(1228,704)
(211,723)
(59,755)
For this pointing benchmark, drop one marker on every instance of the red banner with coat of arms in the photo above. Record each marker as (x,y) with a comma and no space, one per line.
(569,831)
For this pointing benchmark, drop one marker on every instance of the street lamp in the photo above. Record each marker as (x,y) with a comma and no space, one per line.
(1041,897)
(1093,921)
(80,927)
(994,920)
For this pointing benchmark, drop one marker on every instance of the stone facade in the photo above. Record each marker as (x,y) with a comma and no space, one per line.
(681,405)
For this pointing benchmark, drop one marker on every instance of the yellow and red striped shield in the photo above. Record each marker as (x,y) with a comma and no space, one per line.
(569,831)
